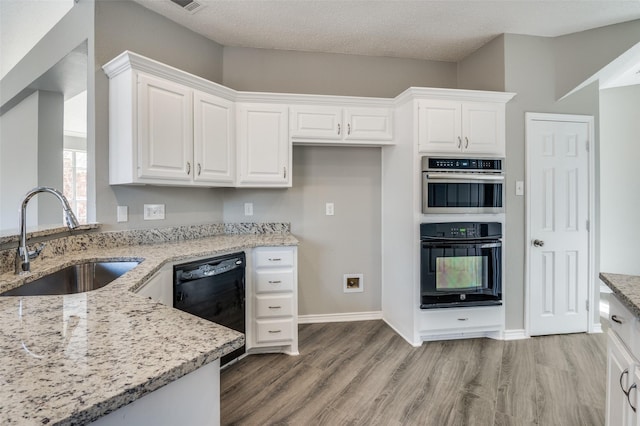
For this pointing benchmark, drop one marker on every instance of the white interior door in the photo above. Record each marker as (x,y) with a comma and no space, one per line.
(558,212)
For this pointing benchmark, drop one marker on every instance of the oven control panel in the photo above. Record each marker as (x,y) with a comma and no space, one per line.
(461,230)
(485,164)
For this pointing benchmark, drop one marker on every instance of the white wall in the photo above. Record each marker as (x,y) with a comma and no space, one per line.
(18,139)
(620,180)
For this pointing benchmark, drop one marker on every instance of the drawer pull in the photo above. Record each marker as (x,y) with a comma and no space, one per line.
(626,371)
(275,331)
(633,386)
(275,282)
(275,259)
(615,318)
(275,307)
(463,319)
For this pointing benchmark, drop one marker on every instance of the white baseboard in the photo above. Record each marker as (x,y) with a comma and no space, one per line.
(596,328)
(352,316)
(517,334)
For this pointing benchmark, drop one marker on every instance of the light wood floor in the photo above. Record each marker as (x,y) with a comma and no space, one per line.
(363,373)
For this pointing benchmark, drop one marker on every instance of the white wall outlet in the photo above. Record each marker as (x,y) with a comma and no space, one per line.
(122,213)
(519,187)
(248,209)
(153,211)
(328,208)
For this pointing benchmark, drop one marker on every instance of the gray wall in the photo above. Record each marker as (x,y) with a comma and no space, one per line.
(348,242)
(484,69)
(330,246)
(283,71)
(50,146)
(125,25)
(619,180)
(580,55)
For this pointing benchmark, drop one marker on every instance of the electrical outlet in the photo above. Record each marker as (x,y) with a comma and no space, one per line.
(519,187)
(153,211)
(248,209)
(329,210)
(122,214)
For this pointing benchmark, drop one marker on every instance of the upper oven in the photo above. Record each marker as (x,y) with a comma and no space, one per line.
(462,185)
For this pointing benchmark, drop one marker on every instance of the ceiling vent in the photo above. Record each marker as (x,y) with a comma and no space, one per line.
(190,6)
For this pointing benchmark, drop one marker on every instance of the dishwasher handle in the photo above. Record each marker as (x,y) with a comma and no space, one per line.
(209,269)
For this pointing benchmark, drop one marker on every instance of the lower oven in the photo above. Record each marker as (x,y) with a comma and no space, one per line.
(213,289)
(460,264)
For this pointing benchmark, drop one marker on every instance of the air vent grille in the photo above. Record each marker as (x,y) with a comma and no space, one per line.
(190,6)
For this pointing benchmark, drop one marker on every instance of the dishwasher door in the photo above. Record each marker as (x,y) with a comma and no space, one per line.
(213,289)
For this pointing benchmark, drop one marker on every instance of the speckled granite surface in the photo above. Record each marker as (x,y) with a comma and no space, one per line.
(626,288)
(71,359)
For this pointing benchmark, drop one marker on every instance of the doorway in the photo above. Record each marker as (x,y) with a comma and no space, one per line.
(559,210)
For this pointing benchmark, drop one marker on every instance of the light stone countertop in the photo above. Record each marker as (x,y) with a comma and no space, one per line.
(72,359)
(626,288)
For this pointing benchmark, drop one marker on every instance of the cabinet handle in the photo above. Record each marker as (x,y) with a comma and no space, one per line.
(633,386)
(338,128)
(188,168)
(463,319)
(626,371)
(466,140)
(275,307)
(275,331)
(615,318)
(459,142)
(199,169)
(349,129)
(284,171)
(275,282)
(275,259)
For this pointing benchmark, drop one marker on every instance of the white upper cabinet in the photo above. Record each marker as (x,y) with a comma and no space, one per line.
(448,126)
(264,147)
(214,153)
(343,125)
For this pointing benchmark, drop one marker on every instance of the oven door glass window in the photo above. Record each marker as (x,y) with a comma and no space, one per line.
(461,273)
(464,195)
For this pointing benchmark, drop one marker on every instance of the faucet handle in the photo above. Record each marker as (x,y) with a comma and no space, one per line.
(36,250)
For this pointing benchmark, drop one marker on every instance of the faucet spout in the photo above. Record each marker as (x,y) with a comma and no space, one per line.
(23,255)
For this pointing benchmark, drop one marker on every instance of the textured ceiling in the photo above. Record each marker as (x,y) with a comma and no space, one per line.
(435,30)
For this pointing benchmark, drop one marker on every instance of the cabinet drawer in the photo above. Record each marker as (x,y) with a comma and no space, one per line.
(273,257)
(462,319)
(274,330)
(621,321)
(274,306)
(274,280)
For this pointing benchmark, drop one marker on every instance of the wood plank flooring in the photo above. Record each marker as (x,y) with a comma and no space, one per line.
(363,373)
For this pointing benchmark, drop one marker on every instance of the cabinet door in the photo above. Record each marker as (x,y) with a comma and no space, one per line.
(316,122)
(159,287)
(165,136)
(619,374)
(213,139)
(483,128)
(264,148)
(368,124)
(439,126)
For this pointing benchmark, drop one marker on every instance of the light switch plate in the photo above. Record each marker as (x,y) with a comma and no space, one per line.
(519,187)
(329,209)
(153,211)
(248,209)
(122,213)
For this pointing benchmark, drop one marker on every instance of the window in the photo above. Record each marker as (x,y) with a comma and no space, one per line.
(75,182)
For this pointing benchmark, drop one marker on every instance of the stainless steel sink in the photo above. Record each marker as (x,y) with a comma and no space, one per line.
(73,279)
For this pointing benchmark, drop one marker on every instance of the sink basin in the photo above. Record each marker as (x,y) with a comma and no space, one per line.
(73,279)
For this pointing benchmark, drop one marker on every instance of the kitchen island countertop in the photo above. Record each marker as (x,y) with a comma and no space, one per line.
(626,288)
(74,358)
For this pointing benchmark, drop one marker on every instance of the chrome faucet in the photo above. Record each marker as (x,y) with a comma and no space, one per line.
(24,255)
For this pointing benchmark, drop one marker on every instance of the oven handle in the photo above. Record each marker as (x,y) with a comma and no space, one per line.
(493,238)
(466,176)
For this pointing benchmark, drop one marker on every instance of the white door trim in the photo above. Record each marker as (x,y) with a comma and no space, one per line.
(592,325)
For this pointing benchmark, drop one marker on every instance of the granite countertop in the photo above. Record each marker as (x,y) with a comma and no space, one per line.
(72,359)
(626,288)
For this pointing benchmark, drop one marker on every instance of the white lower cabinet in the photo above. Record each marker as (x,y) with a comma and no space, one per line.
(272,301)
(623,368)
(160,286)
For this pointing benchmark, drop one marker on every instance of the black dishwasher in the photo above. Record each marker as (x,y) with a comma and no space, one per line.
(213,289)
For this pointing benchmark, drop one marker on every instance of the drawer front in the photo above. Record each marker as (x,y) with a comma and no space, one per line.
(621,320)
(274,306)
(273,257)
(273,281)
(268,331)
(461,319)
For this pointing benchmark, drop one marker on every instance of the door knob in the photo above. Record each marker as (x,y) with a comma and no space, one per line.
(538,243)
